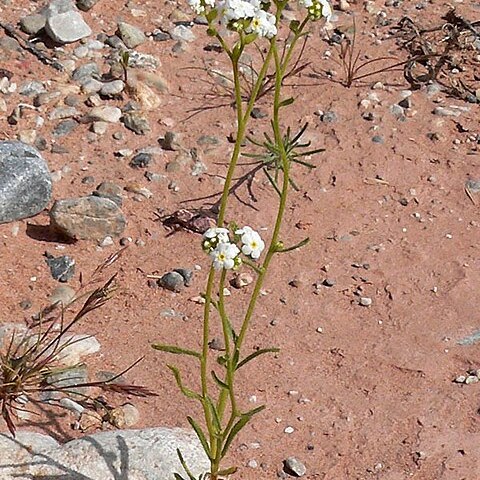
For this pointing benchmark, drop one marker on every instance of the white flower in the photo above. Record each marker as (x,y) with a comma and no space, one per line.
(224,256)
(252,243)
(218,233)
(198,6)
(263,24)
(236,10)
(317,8)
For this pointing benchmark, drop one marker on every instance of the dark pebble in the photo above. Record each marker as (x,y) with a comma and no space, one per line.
(141,160)
(62,268)
(258,113)
(172,281)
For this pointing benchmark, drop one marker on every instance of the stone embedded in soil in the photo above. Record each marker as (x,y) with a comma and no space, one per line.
(87,218)
(137,123)
(63,294)
(187,275)
(67,377)
(105,114)
(25,182)
(86,5)
(77,347)
(62,268)
(66,27)
(172,281)
(131,36)
(112,88)
(85,72)
(33,23)
(294,467)
(151,453)
(141,160)
(182,33)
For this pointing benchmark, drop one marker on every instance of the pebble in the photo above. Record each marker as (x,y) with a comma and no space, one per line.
(137,123)
(65,127)
(378,139)
(86,5)
(85,72)
(109,190)
(446,112)
(63,294)
(182,33)
(187,275)
(25,181)
(329,117)
(131,36)
(241,280)
(113,88)
(289,430)
(31,88)
(294,467)
(61,268)
(32,24)
(105,114)
(87,218)
(471,379)
(172,281)
(365,301)
(99,128)
(141,160)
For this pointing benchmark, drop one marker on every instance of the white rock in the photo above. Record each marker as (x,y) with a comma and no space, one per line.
(105,114)
(148,454)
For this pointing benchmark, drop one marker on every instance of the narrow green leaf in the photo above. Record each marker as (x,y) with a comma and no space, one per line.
(286,102)
(227,471)
(293,247)
(219,382)
(176,350)
(186,391)
(272,181)
(256,354)
(201,436)
(216,419)
(185,467)
(244,419)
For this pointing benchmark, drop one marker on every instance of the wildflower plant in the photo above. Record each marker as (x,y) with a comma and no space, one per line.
(231,247)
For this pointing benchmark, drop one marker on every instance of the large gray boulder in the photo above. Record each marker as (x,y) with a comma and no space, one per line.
(25,182)
(149,454)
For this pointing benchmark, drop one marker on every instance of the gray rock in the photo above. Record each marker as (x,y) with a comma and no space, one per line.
(87,218)
(63,294)
(130,35)
(142,60)
(112,88)
(446,112)
(149,454)
(137,122)
(65,127)
(86,5)
(67,27)
(62,268)
(61,113)
(89,70)
(105,114)
(69,377)
(141,160)
(329,117)
(25,182)
(173,281)
(111,191)
(91,85)
(33,23)
(187,275)
(294,467)
(182,33)
(31,88)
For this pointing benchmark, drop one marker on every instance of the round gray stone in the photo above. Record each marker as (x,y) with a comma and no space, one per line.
(25,182)
(131,36)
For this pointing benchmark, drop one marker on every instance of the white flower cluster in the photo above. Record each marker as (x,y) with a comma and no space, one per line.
(250,16)
(317,8)
(224,253)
